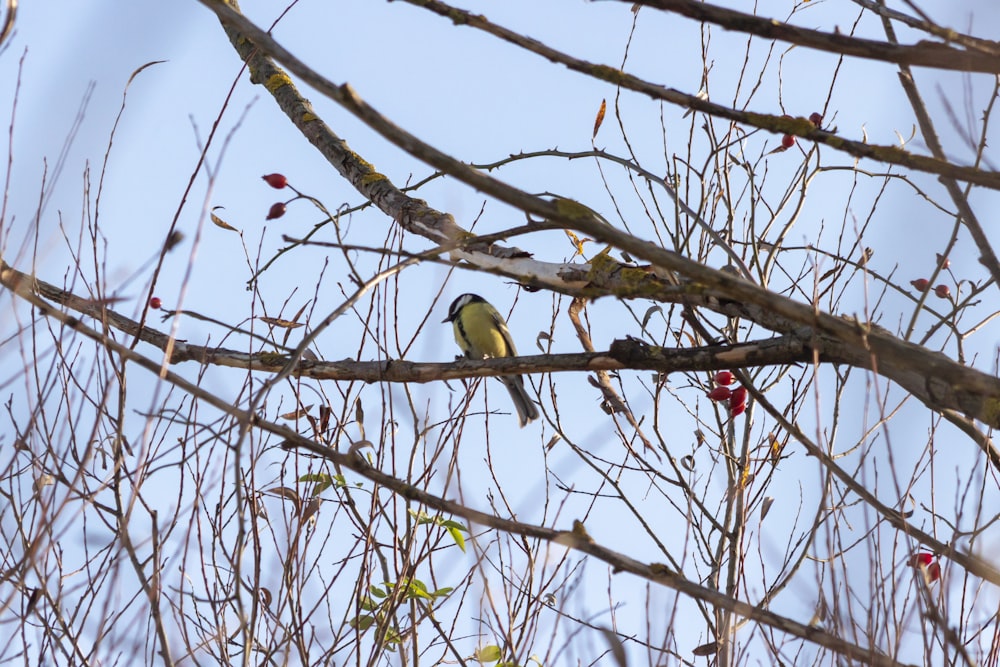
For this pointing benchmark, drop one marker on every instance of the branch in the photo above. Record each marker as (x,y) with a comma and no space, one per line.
(575,539)
(799,127)
(933,378)
(922,54)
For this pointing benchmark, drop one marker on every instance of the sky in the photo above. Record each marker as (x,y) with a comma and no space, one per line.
(479,100)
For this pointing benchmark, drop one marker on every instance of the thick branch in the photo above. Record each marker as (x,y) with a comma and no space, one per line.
(799,127)
(922,54)
(931,377)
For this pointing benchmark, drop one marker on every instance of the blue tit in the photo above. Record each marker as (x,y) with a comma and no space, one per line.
(482,334)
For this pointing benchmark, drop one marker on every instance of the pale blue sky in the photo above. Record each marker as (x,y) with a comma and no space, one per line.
(480,100)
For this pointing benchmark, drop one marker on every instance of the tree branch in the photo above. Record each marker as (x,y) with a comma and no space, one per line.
(922,54)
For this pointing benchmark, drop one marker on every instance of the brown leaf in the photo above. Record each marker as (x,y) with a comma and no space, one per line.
(617,648)
(765,507)
(284,492)
(296,414)
(278,322)
(310,509)
(711,648)
(265,596)
(599,119)
(777,446)
(219,222)
(577,241)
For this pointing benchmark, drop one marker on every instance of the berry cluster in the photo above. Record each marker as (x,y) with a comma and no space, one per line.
(276,181)
(942,291)
(788,140)
(737,397)
(927,564)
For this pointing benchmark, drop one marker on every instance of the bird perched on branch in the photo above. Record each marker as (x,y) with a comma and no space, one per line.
(482,334)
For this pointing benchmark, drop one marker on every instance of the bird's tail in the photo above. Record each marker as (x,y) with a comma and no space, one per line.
(526,410)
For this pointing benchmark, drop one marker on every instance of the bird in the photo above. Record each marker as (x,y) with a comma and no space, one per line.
(481,333)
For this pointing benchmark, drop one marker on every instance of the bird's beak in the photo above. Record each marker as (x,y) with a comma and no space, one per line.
(446,320)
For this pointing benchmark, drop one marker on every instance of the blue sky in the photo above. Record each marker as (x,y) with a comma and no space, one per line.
(479,100)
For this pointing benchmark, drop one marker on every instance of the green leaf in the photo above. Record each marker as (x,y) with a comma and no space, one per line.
(417,589)
(362,622)
(489,653)
(421,517)
(368,604)
(449,524)
(391,639)
(376,591)
(441,592)
(456,535)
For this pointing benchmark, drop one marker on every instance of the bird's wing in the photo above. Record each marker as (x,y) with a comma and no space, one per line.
(505,332)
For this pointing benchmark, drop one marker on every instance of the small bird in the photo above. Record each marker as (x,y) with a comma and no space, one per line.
(482,334)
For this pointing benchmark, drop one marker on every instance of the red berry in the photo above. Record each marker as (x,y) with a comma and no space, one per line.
(787,141)
(276,181)
(155,303)
(276,211)
(942,291)
(724,378)
(737,410)
(720,394)
(738,396)
(943,261)
(816,119)
(920,284)
(927,564)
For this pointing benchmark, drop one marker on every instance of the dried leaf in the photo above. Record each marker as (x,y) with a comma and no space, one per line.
(219,222)
(44,480)
(296,414)
(777,447)
(649,313)
(136,72)
(617,648)
(356,447)
(765,507)
(284,492)
(542,336)
(310,509)
(577,241)
(278,322)
(711,648)
(600,118)
(34,595)
(265,596)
